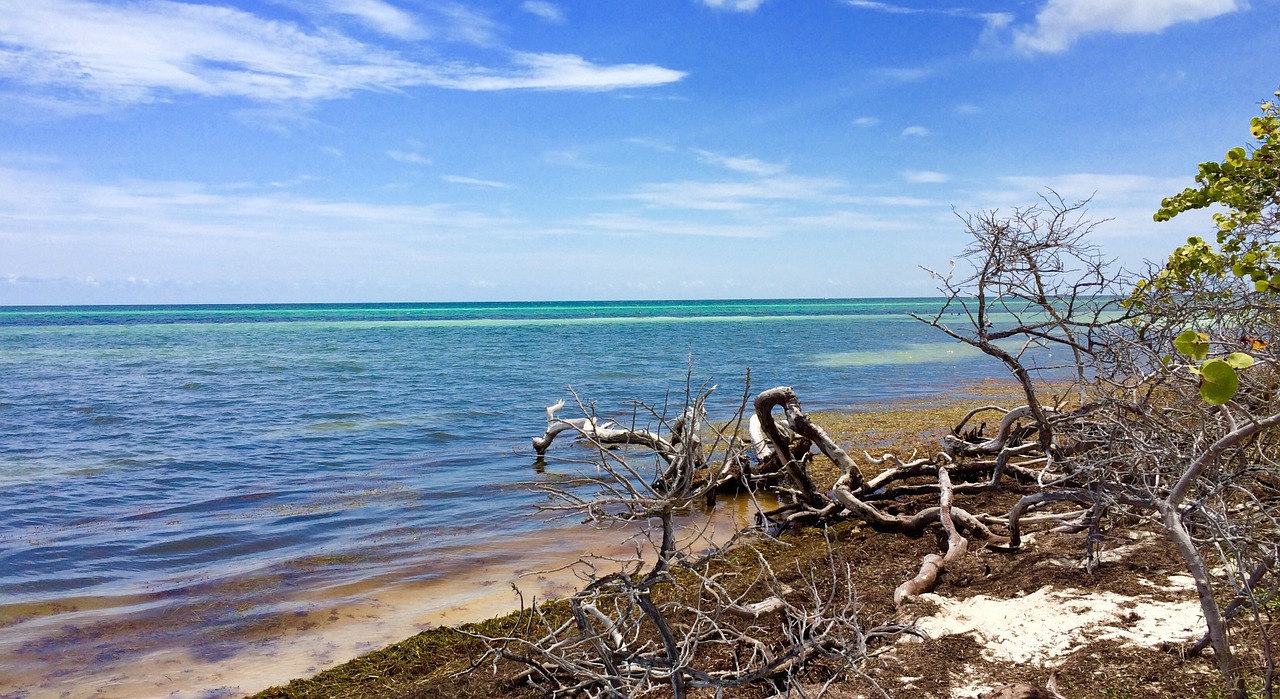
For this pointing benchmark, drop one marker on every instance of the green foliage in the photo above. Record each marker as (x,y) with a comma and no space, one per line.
(1219,379)
(1239,360)
(1193,344)
(1247,183)
(1218,382)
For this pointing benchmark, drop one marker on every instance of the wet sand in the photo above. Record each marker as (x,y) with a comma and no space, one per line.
(268,627)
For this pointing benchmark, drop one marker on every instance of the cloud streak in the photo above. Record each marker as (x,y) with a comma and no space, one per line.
(153,50)
(750,166)
(924,177)
(475,182)
(992,20)
(408,157)
(543,10)
(380,16)
(1061,22)
(734,5)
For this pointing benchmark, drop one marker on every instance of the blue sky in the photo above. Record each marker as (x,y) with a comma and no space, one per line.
(156,151)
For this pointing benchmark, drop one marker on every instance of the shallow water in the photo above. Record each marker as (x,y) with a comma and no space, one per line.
(189,481)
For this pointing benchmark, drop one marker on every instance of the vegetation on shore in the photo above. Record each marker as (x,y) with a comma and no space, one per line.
(1165,444)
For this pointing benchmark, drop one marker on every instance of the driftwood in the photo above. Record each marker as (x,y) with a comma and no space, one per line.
(934,564)
(610,651)
(605,433)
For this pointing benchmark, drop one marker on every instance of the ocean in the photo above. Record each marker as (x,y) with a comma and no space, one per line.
(205,500)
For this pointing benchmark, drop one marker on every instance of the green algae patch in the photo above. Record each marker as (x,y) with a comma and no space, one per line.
(434,663)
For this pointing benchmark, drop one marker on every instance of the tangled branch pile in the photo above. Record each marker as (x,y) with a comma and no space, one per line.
(1173,423)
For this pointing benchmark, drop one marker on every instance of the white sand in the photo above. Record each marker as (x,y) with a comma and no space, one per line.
(1044,626)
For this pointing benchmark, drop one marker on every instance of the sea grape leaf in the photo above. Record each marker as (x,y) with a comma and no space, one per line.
(1192,344)
(1218,382)
(1239,360)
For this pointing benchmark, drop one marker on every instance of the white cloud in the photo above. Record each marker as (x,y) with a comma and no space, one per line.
(903,75)
(750,166)
(865,122)
(915,131)
(468,26)
(544,10)
(388,19)
(924,176)
(882,7)
(52,219)
(992,20)
(734,5)
(555,71)
(644,227)
(740,196)
(653,144)
(408,157)
(568,158)
(968,109)
(1123,203)
(64,50)
(474,182)
(1060,22)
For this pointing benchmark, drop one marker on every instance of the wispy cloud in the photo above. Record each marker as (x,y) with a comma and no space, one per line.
(474,182)
(543,10)
(968,109)
(659,145)
(380,16)
(739,196)
(866,122)
(1123,203)
(465,25)
(568,158)
(65,50)
(628,225)
(135,214)
(882,7)
(1059,23)
(990,19)
(555,71)
(734,5)
(409,157)
(915,131)
(924,176)
(902,75)
(750,166)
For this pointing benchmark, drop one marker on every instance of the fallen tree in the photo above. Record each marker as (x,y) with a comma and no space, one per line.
(1164,413)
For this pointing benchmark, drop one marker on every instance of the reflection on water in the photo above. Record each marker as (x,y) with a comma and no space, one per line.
(240,634)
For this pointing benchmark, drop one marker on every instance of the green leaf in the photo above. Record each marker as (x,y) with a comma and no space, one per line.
(1218,382)
(1192,344)
(1261,285)
(1239,360)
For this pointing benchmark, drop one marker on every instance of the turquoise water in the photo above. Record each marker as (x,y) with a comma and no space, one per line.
(159,454)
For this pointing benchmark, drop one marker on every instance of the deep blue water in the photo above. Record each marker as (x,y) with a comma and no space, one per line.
(159,449)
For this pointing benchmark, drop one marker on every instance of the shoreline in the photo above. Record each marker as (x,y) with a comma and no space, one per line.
(314,629)
(101,656)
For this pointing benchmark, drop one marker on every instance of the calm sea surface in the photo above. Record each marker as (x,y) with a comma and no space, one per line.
(201,466)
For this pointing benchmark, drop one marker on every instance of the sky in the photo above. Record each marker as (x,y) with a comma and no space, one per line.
(165,151)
